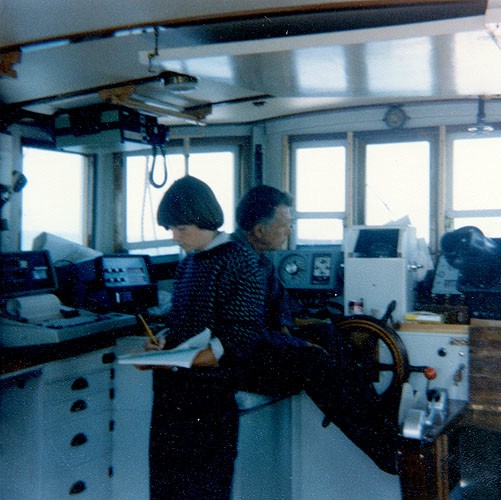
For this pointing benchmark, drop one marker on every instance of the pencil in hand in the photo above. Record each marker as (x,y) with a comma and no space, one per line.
(148,330)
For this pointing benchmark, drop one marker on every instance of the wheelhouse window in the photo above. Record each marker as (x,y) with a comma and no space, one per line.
(318,187)
(216,166)
(397,183)
(56,197)
(474,180)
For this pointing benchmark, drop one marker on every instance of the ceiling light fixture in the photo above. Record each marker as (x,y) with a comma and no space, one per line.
(481,127)
(177,82)
(126,96)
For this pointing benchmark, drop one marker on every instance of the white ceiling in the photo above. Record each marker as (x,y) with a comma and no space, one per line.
(254,66)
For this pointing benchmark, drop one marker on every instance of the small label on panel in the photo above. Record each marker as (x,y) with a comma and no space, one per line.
(356,306)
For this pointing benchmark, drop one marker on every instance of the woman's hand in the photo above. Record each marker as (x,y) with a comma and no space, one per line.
(205,358)
(149,345)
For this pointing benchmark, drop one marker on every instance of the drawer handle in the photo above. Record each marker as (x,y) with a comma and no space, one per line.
(79,384)
(79,405)
(79,439)
(108,358)
(78,487)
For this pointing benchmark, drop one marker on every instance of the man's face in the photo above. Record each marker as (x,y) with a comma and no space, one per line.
(273,234)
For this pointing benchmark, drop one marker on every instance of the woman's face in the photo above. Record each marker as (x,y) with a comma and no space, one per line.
(191,238)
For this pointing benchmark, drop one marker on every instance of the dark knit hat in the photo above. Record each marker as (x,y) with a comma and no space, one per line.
(190,201)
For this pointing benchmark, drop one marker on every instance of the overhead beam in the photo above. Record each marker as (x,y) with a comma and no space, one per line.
(83,20)
(7,62)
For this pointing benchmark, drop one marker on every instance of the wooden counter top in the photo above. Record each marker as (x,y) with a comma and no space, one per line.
(432,328)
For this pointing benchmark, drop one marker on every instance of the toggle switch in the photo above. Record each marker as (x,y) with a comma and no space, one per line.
(458,374)
(430,373)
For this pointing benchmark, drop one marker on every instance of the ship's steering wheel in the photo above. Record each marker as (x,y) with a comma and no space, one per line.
(364,341)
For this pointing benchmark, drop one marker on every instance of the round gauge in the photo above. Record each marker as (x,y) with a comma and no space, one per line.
(291,267)
(395,117)
(292,270)
(321,269)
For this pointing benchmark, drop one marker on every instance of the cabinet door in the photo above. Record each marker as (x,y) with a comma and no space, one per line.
(263,465)
(20,441)
(327,465)
(131,415)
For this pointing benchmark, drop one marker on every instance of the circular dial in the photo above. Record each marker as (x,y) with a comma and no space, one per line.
(292,269)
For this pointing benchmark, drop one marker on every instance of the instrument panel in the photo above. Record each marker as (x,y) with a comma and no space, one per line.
(309,269)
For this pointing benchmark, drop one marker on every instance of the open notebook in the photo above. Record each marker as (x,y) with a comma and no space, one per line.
(183,355)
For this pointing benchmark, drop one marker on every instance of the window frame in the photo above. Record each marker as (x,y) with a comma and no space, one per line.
(88,196)
(239,146)
(317,141)
(450,214)
(436,196)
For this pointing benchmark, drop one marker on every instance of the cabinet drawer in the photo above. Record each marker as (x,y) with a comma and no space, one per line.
(87,363)
(79,385)
(80,409)
(90,481)
(72,444)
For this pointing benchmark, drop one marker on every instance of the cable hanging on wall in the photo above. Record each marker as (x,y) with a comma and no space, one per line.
(147,198)
(154,54)
(158,150)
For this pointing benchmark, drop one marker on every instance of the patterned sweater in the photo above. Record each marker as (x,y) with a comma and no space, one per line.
(221,289)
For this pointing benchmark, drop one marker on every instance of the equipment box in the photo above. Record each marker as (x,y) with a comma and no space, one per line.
(105,127)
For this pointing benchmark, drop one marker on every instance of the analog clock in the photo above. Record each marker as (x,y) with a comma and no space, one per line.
(395,117)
